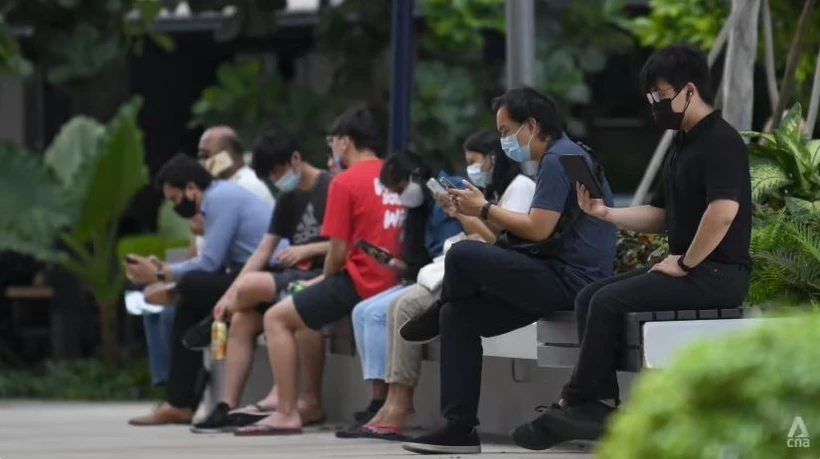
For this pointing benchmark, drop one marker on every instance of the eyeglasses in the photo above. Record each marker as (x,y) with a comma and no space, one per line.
(659,95)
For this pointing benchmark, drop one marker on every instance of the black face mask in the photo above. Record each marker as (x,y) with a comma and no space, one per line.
(186,208)
(667,118)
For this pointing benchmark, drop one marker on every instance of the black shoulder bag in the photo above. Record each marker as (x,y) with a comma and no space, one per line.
(550,247)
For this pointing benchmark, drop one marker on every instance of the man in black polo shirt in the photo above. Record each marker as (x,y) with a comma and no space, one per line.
(704,204)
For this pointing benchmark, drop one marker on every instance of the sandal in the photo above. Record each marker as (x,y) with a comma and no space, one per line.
(260,430)
(250,414)
(383,432)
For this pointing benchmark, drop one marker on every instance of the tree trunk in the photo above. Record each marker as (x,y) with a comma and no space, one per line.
(791,63)
(108,332)
(771,74)
(738,71)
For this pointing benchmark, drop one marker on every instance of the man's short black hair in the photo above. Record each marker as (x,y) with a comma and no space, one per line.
(678,65)
(525,103)
(180,170)
(358,124)
(273,149)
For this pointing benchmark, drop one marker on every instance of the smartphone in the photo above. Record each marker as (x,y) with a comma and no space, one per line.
(447,184)
(377,253)
(578,170)
(435,187)
(130,260)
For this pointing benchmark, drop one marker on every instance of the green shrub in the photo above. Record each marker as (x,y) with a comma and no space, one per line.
(81,380)
(785,251)
(733,397)
(635,250)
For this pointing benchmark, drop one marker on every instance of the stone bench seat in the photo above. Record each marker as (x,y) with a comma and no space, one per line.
(558,345)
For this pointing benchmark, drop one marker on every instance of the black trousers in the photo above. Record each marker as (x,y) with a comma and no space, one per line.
(600,309)
(489,291)
(198,293)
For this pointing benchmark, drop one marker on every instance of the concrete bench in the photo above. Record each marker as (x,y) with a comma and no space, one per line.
(650,339)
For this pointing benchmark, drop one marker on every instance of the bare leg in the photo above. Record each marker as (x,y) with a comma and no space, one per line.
(252,289)
(282,322)
(311,365)
(399,410)
(245,325)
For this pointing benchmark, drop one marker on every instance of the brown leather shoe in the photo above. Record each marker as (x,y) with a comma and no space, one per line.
(164,414)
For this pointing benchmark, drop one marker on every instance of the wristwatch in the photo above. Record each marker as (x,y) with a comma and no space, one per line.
(485,210)
(683,266)
(160,272)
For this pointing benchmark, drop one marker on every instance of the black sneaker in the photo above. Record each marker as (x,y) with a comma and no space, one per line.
(424,327)
(217,422)
(451,439)
(579,422)
(535,435)
(198,337)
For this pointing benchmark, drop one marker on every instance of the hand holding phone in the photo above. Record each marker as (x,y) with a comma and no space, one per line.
(578,171)
(377,253)
(447,184)
(435,187)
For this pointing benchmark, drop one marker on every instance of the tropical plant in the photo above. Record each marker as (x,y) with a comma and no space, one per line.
(252,100)
(700,21)
(785,252)
(65,208)
(736,396)
(76,40)
(786,168)
(636,250)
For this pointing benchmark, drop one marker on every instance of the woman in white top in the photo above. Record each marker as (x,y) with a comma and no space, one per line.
(490,169)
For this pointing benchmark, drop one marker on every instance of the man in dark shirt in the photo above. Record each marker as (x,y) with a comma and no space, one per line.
(298,216)
(704,204)
(489,290)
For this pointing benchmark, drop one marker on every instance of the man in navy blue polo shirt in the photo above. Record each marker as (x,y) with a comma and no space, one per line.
(489,290)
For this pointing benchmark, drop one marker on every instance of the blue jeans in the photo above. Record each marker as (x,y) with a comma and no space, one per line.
(370,330)
(158,330)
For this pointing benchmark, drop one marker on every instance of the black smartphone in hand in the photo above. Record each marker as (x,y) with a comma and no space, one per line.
(447,184)
(130,260)
(377,253)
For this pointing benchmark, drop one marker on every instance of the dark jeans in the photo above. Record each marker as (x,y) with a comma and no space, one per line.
(601,306)
(489,291)
(198,293)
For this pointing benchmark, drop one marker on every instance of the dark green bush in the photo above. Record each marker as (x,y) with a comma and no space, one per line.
(732,397)
(81,380)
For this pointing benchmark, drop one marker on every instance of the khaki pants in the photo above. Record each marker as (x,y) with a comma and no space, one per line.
(404,359)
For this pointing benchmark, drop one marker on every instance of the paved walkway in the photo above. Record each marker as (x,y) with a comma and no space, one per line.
(48,430)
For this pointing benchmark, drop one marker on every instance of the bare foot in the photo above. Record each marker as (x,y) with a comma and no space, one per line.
(310,411)
(282,421)
(394,416)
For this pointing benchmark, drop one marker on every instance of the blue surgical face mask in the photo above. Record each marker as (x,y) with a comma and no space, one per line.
(479,177)
(289,181)
(513,149)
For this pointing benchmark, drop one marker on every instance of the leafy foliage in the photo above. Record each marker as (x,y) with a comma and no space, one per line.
(636,250)
(81,380)
(734,396)
(77,40)
(786,170)
(254,100)
(785,248)
(80,212)
(457,27)
(700,21)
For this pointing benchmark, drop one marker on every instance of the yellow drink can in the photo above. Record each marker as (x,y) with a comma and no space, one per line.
(219,340)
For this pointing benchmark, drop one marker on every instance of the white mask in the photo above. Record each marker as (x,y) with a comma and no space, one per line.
(412,196)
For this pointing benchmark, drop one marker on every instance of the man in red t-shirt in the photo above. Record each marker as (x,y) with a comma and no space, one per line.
(358,208)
